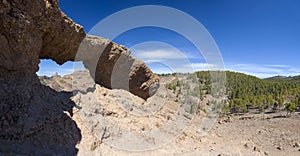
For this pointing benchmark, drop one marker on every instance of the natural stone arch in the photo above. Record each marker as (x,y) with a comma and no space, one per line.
(30,31)
(39,30)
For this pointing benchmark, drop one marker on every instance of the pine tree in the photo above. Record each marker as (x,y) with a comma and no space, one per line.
(290,107)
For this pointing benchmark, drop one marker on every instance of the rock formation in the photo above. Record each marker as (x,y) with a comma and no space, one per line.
(33,116)
(112,66)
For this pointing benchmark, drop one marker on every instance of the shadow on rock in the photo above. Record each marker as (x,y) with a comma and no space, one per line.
(37,122)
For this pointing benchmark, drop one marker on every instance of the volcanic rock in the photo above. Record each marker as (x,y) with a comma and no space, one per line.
(33,118)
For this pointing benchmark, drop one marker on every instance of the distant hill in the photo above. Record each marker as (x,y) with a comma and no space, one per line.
(285,78)
(276,77)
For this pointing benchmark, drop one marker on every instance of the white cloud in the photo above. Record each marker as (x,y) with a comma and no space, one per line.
(203,66)
(161,55)
(161,51)
(164,59)
(264,71)
(180,67)
(277,65)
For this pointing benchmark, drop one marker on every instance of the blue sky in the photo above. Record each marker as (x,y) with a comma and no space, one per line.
(258,37)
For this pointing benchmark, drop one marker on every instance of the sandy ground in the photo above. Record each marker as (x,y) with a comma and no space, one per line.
(239,135)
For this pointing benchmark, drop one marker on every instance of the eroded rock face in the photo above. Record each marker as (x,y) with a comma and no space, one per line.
(32,116)
(112,66)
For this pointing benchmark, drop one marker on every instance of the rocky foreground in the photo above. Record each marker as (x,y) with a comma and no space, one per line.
(99,110)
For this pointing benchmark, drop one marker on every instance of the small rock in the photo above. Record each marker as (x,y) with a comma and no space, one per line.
(94,145)
(97,111)
(266,153)
(256,149)
(297,144)
(169,117)
(279,148)
(259,132)
(188,116)
(248,146)
(223,155)
(229,119)
(193,137)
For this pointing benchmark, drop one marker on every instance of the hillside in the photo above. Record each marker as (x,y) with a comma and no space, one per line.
(196,126)
(246,92)
(285,78)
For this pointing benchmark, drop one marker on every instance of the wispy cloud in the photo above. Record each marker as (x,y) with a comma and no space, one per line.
(162,54)
(182,67)
(264,71)
(162,58)
(202,66)
(154,50)
(277,65)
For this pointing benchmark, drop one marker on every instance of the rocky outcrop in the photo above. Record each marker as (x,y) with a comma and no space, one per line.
(112,66)
(33,30)
(33,116)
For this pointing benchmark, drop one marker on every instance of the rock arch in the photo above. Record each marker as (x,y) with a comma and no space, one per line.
(34,30)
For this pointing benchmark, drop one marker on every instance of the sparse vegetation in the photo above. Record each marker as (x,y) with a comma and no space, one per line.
(244,92)
(193,108)
(291,108)
(62,81)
